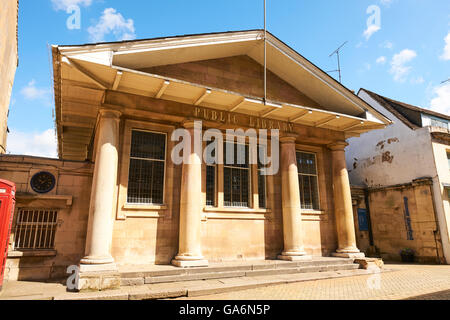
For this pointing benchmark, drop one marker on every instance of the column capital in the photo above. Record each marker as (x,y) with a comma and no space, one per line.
(288,138)
(189,123)
(338,146)
(110,113)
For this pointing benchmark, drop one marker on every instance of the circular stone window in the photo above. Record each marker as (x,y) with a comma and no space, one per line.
(43,182)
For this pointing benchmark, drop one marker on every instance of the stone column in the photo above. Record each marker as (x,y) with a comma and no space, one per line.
(292,215)
(343,209)
(191,204)
(98,245)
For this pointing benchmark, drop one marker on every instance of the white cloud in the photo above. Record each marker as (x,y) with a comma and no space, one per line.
(371,30)
(386,3)
(65,4)
(399,69)
(441,102)
(387,45)
(381,60)
(31,92)
(112,22)
(418,80)
(446,54)
(40,144)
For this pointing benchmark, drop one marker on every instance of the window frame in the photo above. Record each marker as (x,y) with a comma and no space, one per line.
(253,212)
(249,167)
(129,210)
(317,175)
(165,168)
(53,230)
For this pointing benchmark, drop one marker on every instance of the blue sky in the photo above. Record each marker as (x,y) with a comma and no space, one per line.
(398,48)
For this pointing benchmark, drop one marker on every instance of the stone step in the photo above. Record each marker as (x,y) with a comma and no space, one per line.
(236,271)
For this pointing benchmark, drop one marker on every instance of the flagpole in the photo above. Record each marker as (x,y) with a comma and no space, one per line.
(265,53)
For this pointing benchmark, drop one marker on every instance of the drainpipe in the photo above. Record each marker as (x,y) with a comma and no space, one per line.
(437,224)
(369,220)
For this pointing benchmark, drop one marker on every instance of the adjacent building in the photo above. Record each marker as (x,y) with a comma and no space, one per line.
(116,196)
(8,62)
(405,173)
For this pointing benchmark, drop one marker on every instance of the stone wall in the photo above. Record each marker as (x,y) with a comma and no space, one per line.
(389,208)
(8,62)
(237,74)
(70,197)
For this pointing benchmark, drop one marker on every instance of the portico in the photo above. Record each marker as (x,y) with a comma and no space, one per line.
(145,208)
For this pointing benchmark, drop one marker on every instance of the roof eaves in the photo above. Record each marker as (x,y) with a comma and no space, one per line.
(388,106)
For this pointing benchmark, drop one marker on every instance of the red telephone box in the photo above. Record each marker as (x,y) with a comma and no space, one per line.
(7,203)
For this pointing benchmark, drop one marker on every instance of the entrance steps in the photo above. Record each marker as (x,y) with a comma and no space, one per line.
(138,276)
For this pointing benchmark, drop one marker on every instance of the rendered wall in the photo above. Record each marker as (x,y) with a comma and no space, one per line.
(8,62)
(395,155)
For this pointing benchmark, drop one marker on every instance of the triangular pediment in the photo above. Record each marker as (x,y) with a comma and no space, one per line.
(239,74)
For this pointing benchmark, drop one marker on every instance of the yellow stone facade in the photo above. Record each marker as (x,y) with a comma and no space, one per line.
(8,62)
(183,230)
(388,221)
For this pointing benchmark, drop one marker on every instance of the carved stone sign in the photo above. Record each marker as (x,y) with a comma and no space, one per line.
(239,119)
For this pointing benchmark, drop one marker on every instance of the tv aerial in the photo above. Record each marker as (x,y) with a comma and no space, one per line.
(337,53)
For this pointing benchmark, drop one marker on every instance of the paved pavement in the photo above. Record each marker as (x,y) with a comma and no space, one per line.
(424,282)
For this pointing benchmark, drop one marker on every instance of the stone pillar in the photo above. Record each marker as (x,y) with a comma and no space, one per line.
(191,204)
(343,209)
(292,215)
(101,217)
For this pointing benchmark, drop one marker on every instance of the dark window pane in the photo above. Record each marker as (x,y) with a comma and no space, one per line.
(236,187)
(239,157)
(146,171)
(148,145)
(261,189)
(211,186)
(236,175)
(308,181)
(306,163)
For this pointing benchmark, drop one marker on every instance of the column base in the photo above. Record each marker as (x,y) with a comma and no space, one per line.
(97,277)
(294,256)
(189,262)
(354,255)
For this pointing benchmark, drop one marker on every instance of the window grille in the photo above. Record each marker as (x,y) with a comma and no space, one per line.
(147,168)
(236,176)
(211,170)
(308,180)
(261,177)
(35,229)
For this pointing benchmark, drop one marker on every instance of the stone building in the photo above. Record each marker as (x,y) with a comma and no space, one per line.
(8,62)
(405,170)
(121,199)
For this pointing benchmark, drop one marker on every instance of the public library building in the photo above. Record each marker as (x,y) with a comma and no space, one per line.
(116,197)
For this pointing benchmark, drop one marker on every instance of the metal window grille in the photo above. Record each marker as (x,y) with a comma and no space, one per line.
(261,178)
(211,170)
(236,176)
(308,180)
(211,186)
(147,168)
(35,229)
